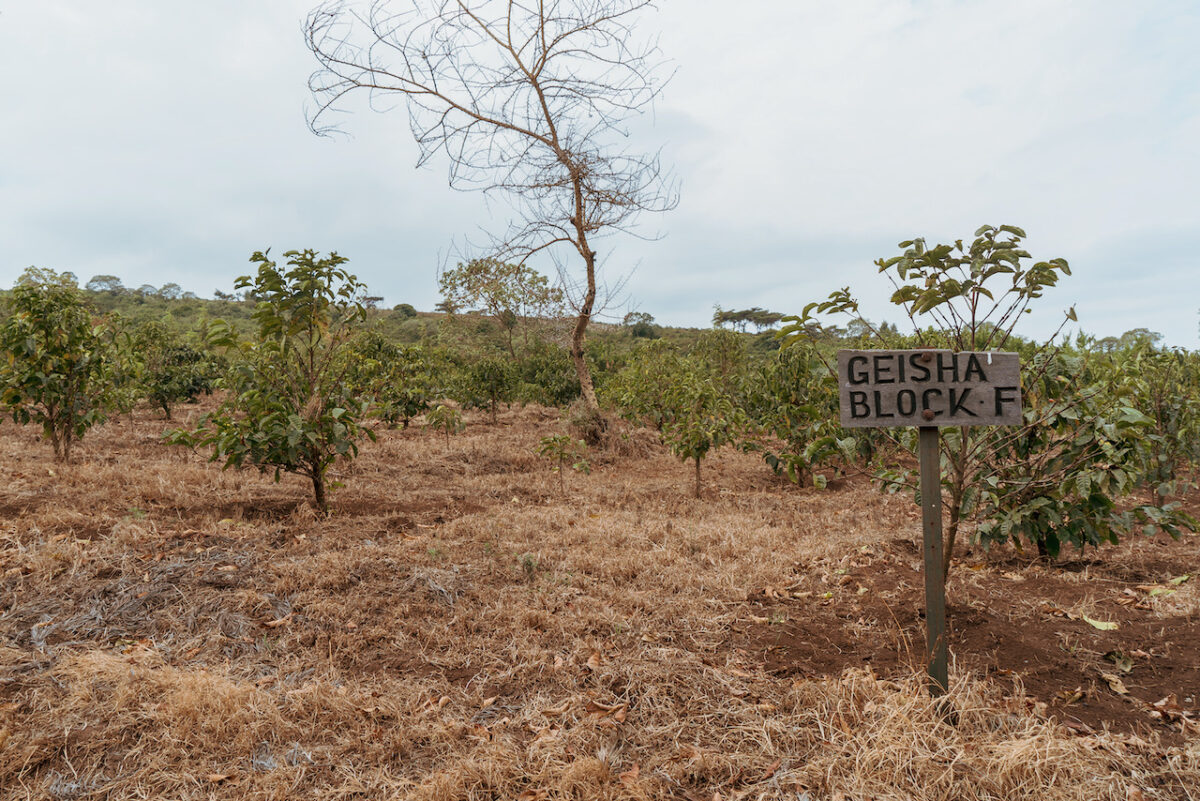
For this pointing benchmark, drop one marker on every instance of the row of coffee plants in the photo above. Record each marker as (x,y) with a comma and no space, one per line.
(297,391)
(1110,439)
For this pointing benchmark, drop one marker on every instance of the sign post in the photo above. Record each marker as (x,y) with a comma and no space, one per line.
(929,389)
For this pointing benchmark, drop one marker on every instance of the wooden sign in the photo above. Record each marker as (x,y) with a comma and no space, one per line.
(930,389)
(939,388)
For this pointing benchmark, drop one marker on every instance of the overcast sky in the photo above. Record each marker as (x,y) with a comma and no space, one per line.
(164,142)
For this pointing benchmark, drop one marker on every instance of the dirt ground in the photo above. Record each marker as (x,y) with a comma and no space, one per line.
(459,628)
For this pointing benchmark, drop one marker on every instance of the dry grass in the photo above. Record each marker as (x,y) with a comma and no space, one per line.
(460,630)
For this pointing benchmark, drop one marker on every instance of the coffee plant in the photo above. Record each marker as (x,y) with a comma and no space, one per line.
(290,407)
(563,450)
(55,364)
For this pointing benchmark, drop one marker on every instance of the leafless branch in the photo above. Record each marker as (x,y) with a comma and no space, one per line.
(526,99)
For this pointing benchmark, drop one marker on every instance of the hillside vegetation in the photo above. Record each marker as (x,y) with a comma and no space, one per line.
(286,544)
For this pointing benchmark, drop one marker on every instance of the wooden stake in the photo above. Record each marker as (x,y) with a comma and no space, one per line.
(935,587)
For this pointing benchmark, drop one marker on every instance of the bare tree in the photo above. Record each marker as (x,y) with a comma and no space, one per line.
(525,97)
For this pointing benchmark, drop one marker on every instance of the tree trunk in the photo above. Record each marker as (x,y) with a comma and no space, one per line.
(586,388)
(958,489)
(697,490)
(318,482)
(951,536)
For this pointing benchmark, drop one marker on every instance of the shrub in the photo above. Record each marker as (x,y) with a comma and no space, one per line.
(546,375)
(1057,477)
(290,408)
(486,383)
(400,380)
(55,359)
(446,419)
(563,450)
(703,417)
(172,371)
(794,403)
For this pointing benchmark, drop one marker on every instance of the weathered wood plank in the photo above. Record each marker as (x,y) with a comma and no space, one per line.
(883,388)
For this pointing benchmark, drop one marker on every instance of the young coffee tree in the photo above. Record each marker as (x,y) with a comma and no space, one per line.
(53,370)
(446,419)
(172,371)
(290,407)
(971,297)
(1062,477)
(486,383)
(546,375)
(703,417)
(565,451)
(125,364)
(400,380)
(640,389)
(792,408)
(1165,386)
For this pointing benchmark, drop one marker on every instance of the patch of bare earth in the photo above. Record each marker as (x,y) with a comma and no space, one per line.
(460,630)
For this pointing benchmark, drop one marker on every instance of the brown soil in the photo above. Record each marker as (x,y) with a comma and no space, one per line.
(1019,623)
(458,628)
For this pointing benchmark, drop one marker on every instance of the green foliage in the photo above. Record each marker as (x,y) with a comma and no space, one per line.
(54,368)
(639,390)
(172,371)
(546,375)
(511,294)
(725,357)
(702,417)
(401,381)
(794,408)
(969,297)
(290,408)
(404,311)
(563,450)
(486,383)
(1165,386)
(126,364)
(446,419)
(1057,478)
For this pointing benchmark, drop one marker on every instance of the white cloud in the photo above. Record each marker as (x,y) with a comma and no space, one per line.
(164,142)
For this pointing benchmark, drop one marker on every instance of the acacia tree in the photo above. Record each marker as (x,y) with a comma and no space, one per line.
(512,294)
(524,98)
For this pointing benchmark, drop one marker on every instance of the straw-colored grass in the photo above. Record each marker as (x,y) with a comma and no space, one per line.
(458,629)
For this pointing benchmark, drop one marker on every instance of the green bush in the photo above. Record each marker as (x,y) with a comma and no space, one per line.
(172,371)
(290,407)
(1060,476)
(546,375)
(400,380)
(486,383)
(702,417)
(55,359)
(793,406)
